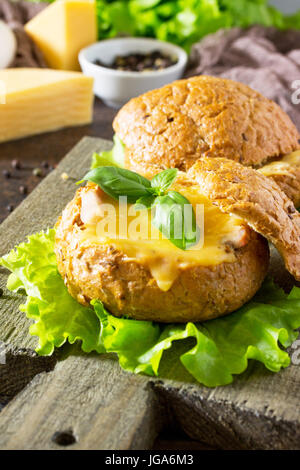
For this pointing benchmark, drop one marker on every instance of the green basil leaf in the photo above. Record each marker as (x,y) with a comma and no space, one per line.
(171,219)
(171,216)
(118,182)
(163,180)
(178,198)
(191,229)
(145,202)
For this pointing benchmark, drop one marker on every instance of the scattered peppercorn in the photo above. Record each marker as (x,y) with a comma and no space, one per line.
(6,174)
(138,62)
(22,190)
(37,172)
(1,292)
(9,208)
(16,164)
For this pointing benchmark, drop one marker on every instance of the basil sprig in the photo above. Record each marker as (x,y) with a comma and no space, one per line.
(163,180)
(173,214)
(118,182)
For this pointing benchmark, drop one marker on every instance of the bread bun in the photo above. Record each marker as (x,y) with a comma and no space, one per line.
(212,117)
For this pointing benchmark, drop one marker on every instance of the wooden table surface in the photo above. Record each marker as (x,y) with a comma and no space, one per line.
(51,148)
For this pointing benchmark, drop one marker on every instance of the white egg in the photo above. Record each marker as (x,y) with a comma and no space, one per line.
(8,45)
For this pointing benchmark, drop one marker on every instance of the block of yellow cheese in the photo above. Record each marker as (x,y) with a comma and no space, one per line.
(62,29)
(41,100)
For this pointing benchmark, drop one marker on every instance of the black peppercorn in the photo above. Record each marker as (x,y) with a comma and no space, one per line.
(137,62)
(22,190)
(6,174)
(16,164)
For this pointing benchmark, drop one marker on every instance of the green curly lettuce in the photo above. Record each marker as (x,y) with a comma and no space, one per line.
(184,22)
(218,349)
(57,316)
(113,157)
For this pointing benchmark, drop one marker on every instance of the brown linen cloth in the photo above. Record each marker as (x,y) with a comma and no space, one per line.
(266,59)
(16,15)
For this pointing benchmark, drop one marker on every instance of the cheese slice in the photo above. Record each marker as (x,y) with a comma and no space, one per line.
(62,29)
(42,100)
(108,222)
(282,167)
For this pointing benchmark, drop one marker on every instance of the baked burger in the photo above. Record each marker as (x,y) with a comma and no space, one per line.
(235,155)
(149,278)
(213,117)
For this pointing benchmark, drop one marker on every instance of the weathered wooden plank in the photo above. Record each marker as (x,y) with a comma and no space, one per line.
(259,411)
(108,408)
(86,402)
(21,365)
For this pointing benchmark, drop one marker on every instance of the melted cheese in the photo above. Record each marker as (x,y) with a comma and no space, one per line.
(283,166)
(119,225)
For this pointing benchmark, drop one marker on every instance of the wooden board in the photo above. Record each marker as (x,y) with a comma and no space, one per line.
(77,401)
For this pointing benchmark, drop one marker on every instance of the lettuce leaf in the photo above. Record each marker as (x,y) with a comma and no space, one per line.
(58,317)
(184,22)
(293,21)
(113,157)
(217,350)
(223,346)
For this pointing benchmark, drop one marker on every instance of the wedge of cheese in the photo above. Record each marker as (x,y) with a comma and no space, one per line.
(42,100)
(62,29)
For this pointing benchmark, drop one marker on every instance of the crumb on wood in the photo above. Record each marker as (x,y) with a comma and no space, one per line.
(64,176)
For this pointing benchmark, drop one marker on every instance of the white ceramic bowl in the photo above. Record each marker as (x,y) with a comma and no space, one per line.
(8,45)
(116,87)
